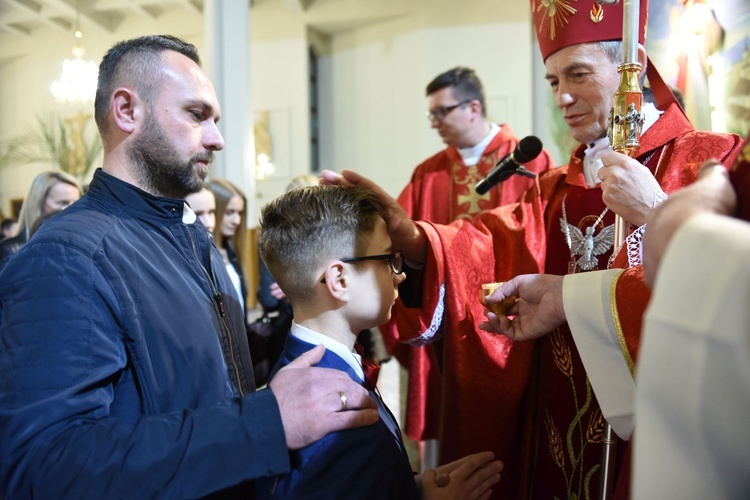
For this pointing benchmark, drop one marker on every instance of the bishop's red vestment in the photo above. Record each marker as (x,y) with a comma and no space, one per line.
(441,190)
(532,402)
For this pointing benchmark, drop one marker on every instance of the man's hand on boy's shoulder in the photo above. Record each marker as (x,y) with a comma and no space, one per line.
(470,477)
(315,401)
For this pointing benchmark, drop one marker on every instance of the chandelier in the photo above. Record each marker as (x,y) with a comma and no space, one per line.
(77,84)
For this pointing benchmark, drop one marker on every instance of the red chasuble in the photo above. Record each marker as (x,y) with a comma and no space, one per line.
(441,190)
(531,402)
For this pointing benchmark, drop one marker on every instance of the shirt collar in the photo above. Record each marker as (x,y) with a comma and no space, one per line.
(472,155)
(312,337)
(188,216)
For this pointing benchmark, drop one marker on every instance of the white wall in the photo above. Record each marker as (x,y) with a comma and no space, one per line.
(372,95)
(279,83)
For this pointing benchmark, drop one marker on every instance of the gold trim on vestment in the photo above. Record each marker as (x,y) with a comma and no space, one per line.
(618,326)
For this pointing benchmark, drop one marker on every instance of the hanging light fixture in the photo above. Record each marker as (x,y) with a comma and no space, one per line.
(77,84)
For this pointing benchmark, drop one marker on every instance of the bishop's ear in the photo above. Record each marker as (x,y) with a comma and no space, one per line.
(642,60)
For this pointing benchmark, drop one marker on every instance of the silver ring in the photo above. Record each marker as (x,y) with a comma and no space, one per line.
(342,396)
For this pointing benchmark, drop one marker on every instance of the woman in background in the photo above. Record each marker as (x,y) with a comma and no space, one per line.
(49,192)
(230,232)
(203,204)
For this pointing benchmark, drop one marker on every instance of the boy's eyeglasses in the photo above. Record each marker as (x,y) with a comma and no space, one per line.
(395,260)
(443,111)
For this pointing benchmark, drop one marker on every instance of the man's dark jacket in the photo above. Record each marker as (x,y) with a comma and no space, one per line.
(124,367)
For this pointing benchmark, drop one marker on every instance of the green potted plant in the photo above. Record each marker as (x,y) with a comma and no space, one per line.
(58,141)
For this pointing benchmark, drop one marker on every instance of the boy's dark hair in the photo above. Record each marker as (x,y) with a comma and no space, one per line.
(136,63)
(464,82)
(304,229)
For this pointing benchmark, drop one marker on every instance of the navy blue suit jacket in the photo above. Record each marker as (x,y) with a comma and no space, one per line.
(364,463)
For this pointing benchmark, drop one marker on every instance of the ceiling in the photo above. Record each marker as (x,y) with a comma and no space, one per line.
(28,17)
(25,17)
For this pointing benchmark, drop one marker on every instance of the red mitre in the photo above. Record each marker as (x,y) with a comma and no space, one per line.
(562,23)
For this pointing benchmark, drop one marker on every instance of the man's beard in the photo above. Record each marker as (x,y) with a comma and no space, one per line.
(161,172)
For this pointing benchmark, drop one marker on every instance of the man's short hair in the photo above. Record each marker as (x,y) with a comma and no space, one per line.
(304,229)
(464,82)
(137,64)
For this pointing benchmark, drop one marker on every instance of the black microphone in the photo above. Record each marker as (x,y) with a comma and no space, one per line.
(526,150)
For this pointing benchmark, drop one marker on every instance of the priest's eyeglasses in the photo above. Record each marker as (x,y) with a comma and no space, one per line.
(441,112)
(395,261)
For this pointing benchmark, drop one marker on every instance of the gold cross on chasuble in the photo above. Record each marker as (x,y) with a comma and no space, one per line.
(473,199)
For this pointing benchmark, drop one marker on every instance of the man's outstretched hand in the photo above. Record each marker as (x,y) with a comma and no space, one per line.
(538,309)
(405,234)
(310,403)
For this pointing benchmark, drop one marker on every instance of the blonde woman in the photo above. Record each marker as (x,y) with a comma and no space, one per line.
(230,231)
(50,192)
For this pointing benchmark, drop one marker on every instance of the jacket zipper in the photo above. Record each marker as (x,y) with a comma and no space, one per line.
(219,300)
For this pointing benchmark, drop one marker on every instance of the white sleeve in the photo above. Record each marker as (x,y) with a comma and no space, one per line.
(588,309)
(693,398)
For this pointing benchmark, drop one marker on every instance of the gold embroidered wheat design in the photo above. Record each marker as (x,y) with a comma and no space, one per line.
(555,444)
(561,353)
(595,429)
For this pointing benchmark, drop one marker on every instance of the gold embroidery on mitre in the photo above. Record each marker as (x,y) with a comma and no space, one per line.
(556,13)
(596,14)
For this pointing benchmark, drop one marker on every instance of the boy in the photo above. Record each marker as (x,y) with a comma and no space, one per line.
(329,250)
